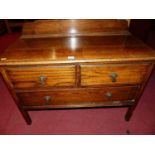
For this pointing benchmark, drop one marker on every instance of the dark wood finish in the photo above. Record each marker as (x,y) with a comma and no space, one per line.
(123,48)
(102,74)
(76,64)
(29,77)
(112,104)
(78,96)
(64,27)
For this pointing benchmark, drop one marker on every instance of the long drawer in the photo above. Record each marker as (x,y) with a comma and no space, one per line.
(113,74)
(78,95)
(39,77)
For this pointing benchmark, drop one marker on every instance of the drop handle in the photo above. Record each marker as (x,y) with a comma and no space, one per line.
(42,80)
(47,99)
(114,77)
(109,95)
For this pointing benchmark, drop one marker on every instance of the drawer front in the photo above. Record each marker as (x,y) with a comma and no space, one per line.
(42,77)
(81,95)
(113,74)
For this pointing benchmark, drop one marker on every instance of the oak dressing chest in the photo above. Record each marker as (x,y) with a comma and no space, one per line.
(76,64)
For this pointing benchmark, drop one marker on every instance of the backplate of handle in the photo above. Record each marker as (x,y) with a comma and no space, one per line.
(42,80)
(114,77)
(47,99)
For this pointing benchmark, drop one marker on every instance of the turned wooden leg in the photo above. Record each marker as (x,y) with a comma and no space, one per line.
(129,113)
(26,116)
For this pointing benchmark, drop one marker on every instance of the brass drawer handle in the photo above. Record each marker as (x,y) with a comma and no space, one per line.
(113,77)
(48,99)
(42,80)
(109,95)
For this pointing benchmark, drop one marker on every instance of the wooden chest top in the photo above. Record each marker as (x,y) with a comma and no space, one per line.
(37,47)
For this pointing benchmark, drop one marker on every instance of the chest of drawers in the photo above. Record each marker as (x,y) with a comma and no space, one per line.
(76,64)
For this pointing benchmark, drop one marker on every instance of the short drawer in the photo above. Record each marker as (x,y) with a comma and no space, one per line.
(37,77)
(113,74)
(77,96)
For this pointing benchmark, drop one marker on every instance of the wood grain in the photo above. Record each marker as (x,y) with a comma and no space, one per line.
(78,95)
(29,77)
(83,105)
(67,27)
(101,74)
(84,49)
